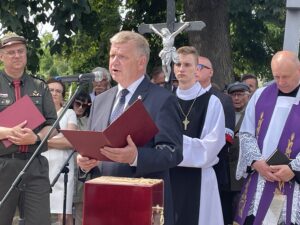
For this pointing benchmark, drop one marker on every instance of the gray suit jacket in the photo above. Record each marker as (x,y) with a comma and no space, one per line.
(164,151)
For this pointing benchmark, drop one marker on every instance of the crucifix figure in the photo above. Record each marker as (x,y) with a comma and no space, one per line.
(185,123)
(168,53)
(168,31)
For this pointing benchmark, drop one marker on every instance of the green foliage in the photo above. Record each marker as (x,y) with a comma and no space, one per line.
(23,16)
(84,27)
(151,12)
(90,46)
(256,31)
(52,65)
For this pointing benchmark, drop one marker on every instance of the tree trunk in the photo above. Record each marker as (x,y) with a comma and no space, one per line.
(213,41)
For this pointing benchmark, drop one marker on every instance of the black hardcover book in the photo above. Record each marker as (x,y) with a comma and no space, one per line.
(278,158)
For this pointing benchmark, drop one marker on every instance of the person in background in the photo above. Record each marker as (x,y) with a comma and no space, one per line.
(32,194)
(158,76)
(128,59)
(81,105)
(204,75)
(240,94)
(194,183)
(101,83)
(175,84)
(251,81)
(58,152)
(271,123)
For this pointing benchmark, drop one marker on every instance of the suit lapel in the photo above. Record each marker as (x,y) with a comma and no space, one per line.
(107,105)
(140,92)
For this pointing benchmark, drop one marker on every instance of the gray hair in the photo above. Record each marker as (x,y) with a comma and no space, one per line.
(139,40)
(104,74)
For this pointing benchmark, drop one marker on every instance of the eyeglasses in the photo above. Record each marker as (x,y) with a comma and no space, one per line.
(55,90)
(12,53)
(201,66)
(79,104)
(238,94)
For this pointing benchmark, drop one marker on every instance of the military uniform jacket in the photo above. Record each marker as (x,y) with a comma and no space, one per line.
(39,93)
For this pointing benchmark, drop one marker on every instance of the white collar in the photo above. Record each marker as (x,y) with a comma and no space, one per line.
(191,93)
(132,87)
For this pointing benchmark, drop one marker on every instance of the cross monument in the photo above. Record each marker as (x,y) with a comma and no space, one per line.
(168,31)
(292,26)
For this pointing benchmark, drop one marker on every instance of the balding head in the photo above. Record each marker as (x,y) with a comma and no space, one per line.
(285,67)
(204,71)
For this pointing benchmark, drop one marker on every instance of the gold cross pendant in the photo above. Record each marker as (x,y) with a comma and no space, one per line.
(185,123)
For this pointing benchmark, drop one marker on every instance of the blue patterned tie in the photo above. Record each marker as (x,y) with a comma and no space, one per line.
(119,107)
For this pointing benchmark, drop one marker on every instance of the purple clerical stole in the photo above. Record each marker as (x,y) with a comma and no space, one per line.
(289,144)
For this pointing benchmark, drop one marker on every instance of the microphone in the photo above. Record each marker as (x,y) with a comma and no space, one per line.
(84,77)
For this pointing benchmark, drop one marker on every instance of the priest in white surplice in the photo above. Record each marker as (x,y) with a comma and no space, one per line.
(194,184)
(271,122)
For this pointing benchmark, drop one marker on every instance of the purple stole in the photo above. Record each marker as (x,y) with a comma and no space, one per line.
(288,144)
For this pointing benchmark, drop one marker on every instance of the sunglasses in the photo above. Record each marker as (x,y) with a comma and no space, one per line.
(79,104)
(201,66)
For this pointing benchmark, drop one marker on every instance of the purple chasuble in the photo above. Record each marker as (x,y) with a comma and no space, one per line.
(288,144)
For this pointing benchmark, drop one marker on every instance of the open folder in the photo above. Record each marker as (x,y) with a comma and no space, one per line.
(135,121)
(23,109)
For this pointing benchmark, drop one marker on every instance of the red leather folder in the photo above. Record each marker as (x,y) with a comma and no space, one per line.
(123,201)
(135,121)
(23,109)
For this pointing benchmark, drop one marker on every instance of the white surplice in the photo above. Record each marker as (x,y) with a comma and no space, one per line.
(202,153)
(250,151)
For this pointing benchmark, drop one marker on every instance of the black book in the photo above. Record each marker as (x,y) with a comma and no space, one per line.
(278,158)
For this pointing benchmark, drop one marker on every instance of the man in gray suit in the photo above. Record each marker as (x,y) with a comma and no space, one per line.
(129,55)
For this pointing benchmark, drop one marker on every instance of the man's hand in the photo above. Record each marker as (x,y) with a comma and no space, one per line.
(121,155)
(265,170)
(283,172)
(22,136)
(85,163)
(6,132)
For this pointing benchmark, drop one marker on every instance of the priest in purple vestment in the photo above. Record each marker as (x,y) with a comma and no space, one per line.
(269,148)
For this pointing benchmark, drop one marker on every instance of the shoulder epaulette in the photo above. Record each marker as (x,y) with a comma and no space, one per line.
(39,78)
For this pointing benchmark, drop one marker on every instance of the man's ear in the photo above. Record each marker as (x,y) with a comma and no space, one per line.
(211,72)
(142,61)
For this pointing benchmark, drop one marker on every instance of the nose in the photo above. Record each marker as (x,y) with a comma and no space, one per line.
(181,67)
(280,82)
(17,54)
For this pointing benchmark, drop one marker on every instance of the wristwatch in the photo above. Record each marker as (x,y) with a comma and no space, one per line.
(38,139)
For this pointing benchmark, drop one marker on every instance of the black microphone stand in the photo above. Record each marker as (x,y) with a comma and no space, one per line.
(65,170)
(37,151)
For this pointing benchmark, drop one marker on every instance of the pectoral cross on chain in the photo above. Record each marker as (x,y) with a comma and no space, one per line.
(185,123)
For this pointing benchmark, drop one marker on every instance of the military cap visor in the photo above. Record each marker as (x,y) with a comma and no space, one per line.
(8,40)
